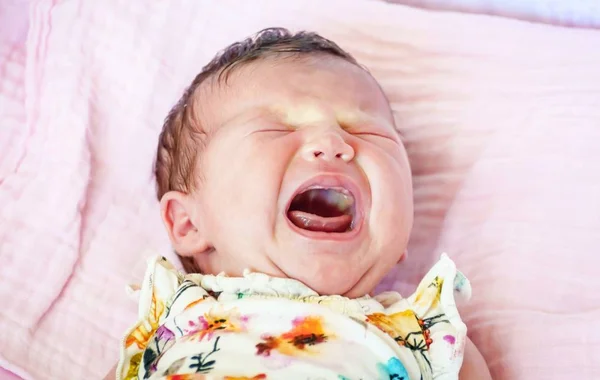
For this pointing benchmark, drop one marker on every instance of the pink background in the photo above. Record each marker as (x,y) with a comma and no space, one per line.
(500,118)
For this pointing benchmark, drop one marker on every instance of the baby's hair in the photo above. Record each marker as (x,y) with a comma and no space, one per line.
(183,135)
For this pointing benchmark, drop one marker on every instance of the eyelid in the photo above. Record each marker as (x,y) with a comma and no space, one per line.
(274,130)
(384,135)
(270,130)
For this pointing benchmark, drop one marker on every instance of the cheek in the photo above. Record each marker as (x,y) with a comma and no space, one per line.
(242,183)
(389,175)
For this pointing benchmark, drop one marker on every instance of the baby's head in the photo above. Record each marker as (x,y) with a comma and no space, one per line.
(282,157)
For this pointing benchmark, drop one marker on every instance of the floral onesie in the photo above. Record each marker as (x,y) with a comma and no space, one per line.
(258,327)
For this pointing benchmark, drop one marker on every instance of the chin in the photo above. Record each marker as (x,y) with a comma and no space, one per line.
(334,281)
(346,290)
(328,288)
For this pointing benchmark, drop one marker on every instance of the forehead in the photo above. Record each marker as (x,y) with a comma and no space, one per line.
(298,90)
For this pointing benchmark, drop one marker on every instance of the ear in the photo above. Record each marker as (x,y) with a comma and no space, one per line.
(177,214)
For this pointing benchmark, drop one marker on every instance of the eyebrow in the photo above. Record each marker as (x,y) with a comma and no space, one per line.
(298,115)
(364,118)
(246,115)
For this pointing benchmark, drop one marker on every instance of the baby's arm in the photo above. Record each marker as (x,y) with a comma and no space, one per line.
(474,366)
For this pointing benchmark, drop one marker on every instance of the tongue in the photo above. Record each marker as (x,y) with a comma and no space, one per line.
(318,223)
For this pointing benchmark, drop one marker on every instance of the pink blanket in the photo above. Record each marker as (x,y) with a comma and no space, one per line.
(501,120)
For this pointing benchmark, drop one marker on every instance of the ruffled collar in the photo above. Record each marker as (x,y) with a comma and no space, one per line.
(262,286)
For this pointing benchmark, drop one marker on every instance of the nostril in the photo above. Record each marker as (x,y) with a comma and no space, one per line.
(317,153)
(339,155)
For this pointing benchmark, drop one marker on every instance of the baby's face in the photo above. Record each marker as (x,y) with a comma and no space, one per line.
(304,176)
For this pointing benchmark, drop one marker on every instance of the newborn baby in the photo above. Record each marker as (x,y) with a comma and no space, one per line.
(287,193)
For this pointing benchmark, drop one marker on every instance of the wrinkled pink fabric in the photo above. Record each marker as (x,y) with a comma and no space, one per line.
(501,120)
(576,13)
(6,375)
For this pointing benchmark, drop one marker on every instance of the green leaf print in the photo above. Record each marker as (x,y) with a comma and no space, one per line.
(203,365)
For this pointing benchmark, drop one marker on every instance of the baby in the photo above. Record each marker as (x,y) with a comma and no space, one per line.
(286,191)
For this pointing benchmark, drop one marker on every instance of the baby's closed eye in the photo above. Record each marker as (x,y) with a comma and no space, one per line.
(274,129)
(372,131)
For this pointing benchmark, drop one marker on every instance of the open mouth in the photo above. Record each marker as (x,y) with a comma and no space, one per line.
(329,210)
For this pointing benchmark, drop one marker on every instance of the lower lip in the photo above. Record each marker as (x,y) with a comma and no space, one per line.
(333,236)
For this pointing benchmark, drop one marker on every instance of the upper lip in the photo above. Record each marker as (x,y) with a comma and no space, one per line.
(332,181)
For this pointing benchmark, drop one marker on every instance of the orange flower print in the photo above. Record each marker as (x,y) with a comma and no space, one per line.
(401,326)
(257,377)
(409,327)
(186,376)
(141,335)
(305,332)
(409,331)
(215,321)
(196,302)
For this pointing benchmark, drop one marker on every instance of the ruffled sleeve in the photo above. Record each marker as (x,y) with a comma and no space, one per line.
(428,322)
(160,283)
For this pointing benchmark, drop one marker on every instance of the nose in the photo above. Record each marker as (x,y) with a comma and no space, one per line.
(328,146)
